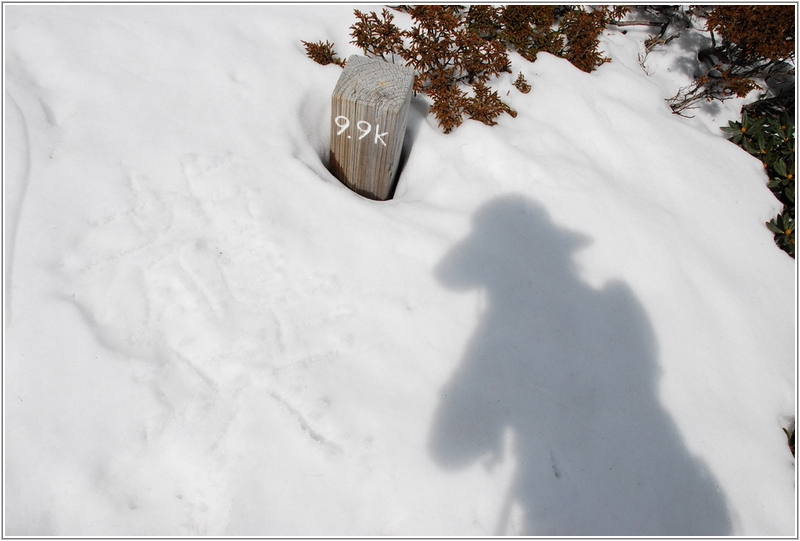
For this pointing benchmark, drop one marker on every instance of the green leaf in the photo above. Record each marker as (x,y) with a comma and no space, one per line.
(780,167)
(775,183)
(756,126)
(774,228)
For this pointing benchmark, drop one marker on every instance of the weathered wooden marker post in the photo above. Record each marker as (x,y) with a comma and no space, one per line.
(369,113)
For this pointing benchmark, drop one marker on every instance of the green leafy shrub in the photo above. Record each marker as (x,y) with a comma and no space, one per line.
(771,138)
(456,50)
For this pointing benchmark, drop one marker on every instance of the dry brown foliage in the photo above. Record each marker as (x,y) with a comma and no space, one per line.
(322,53)
(456,50)
(756,41)
(751,33)
(522,84)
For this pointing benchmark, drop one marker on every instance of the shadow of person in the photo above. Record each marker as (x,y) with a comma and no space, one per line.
(572,372)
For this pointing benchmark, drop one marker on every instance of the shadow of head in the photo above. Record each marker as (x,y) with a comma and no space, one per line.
(571,371)
(513,239)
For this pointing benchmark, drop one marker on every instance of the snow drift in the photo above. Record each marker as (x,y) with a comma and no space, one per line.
(574,322)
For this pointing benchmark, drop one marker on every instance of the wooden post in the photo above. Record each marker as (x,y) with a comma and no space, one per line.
(369,112)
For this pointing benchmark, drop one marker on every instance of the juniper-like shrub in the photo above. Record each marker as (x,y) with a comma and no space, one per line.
(377,36)
(756,45)
(322,53)
(522,84)
(457,51)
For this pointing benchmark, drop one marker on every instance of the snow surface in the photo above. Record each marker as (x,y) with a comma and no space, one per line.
(574,322)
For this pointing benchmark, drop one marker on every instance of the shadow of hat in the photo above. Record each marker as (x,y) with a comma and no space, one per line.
(510,235)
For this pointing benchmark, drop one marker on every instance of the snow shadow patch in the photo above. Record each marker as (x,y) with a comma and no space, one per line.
(572,372)
(417,112)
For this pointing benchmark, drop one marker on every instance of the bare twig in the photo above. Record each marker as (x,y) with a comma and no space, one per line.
(638,23)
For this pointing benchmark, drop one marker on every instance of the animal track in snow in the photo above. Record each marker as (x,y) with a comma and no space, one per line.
(161,280)
(205,276)
(306,427)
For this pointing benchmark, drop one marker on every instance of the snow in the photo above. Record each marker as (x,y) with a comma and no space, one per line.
(574,322)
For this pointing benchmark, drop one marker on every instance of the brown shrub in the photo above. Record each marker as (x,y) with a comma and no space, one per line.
(457,51)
